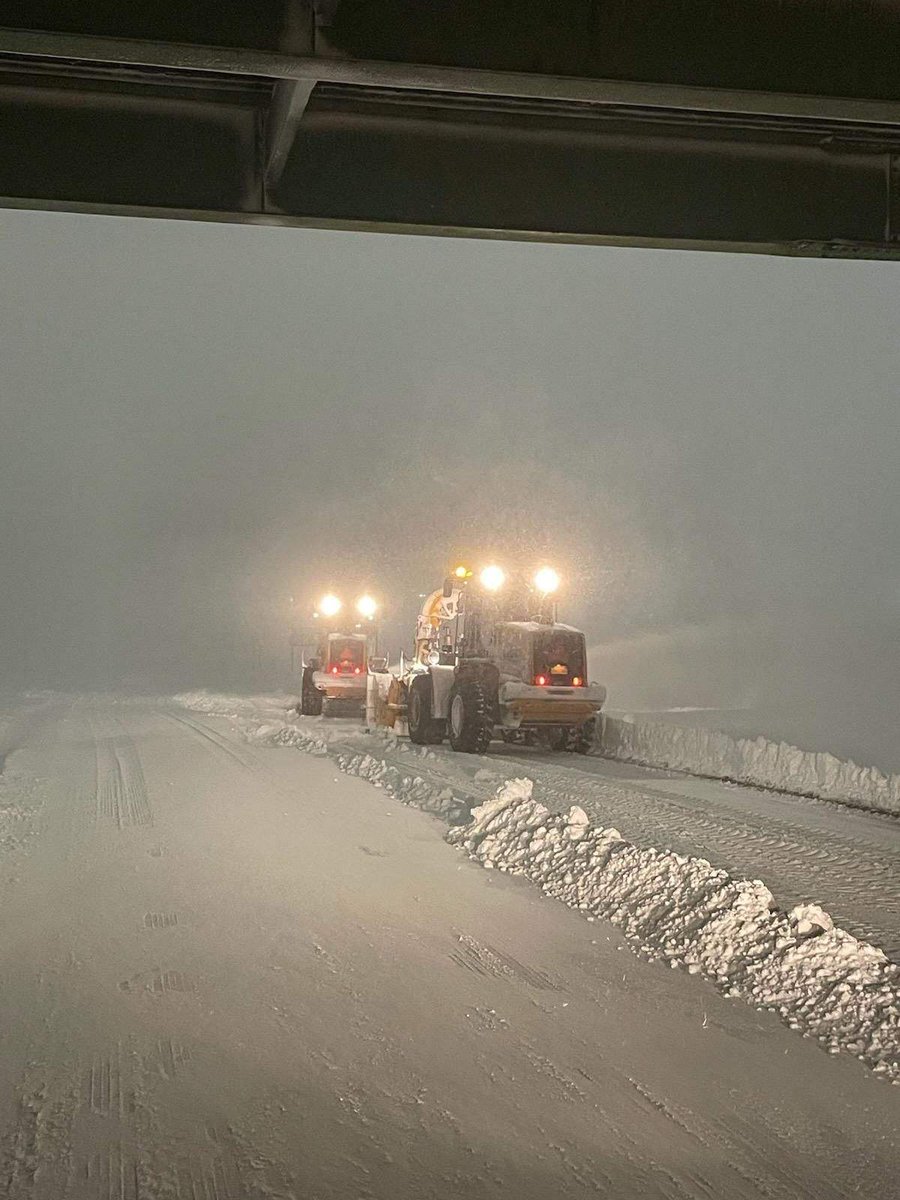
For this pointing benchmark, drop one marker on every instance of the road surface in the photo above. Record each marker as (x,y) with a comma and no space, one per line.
(805,850)
(231,972)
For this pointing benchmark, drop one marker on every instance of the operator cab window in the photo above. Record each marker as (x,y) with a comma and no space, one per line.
(559,656)
(346,654)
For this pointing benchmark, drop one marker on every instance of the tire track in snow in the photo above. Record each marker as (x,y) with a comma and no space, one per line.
(769,1178)
(121,789)
(218,1178)
(112,1174)
(213,738)
(487,960)
(171,1058)
(105,1091)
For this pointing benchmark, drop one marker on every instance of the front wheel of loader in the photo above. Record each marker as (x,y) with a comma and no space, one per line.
(310,696)
(471,724)
(424,730)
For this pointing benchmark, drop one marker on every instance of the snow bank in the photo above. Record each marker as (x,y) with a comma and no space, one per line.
(821,980)
(755,761)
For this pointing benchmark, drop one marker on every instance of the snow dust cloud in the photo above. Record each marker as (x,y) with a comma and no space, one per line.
(201,421)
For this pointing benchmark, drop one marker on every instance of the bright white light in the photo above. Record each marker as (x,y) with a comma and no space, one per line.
(546,580)
(493,578)
(366,607)
(330,606)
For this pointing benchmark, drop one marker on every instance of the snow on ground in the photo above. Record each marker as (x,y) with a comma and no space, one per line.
(755,761)
(823,981)
(235,971)
(17,811)
(20,801)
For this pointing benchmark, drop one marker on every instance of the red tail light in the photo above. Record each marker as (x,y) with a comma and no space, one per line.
(577,681)
(540,680)
(357,670)
(334,670)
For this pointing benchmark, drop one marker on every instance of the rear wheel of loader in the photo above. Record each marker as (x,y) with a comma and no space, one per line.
(581,740)
(471,724)
(424,730)
(310,696)
(555,738)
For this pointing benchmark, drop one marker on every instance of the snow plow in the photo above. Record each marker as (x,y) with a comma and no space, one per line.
(333,681)
(492,660)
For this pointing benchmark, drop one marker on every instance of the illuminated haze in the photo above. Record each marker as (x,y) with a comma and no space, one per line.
(200,421)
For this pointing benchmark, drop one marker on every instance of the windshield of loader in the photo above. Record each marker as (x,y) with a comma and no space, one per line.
(347,654)
(559,656)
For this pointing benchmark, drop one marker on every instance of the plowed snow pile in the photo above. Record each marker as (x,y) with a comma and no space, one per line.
(756,761)
(687,912)
(821,980)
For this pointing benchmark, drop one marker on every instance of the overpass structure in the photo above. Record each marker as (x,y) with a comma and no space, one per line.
(286,129)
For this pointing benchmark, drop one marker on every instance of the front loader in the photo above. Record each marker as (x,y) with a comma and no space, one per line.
(333,681)
(492,660)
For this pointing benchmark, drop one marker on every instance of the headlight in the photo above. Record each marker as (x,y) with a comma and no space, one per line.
(366,607)
(546,580)
(493,578)
(434,658)
(330,606)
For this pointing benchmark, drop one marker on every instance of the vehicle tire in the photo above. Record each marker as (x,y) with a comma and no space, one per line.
(330,707)
(424,730)
(310,696)
(556,738)
(581,740)
(471,723)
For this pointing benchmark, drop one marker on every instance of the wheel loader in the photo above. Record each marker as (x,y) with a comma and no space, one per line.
(333,681)
(492,660)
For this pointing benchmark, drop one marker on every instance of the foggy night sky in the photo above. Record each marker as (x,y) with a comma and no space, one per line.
(200,420)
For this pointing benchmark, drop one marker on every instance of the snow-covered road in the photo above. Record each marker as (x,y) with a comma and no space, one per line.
(806,851)
(846,860)
(230,970)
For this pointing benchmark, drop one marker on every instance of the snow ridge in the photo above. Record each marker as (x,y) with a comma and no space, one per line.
(822,981)
(818,978)
(755,761)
